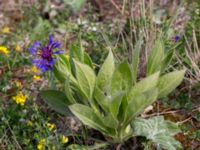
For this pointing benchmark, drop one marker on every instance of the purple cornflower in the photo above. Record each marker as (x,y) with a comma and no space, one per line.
(43,56)
(177,38)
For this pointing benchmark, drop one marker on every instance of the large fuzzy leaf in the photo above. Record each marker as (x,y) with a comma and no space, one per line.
(122,78)
(169,82)
(110,121)
(167,59)
(101,99)
(57,100)
(115,104)
(86,78)
(139,103)
(155,58)
(105,73)
(144,85)
(87,60)
(62,69)
(122,109)
(158,131)
(69,92)
(88,117)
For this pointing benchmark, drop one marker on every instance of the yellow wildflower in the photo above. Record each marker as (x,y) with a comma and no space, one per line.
(40,145)
(29,123)
(64,139)
(18,84)
(67,56)
(51,126)
(5,30)
(42,141)
(4,50)
(20,98)
(34,69)
(36,78)
(18,48)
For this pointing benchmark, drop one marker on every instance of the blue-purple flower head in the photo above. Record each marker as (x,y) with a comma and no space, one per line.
(44,56)
(177,38)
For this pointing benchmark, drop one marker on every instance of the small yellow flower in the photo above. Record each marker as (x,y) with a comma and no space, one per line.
(20,98)
(40,145)
(42,141)
(67,56)
(4,50)
(64,139)
(5,30)
(51,126)
(36,78)
(18,84)
(34,69)
(18,48)
(29,123)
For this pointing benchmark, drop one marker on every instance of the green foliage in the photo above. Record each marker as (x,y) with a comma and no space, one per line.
(122,78)
(86,79)
(135,58)
(62,69)
(105,73)
(139,103)
(78,147)
(144,85)
(155,59)
(158,131)
(110,100)
(57,100)
(81,147)
(88,117)
(75,4)
(167,83)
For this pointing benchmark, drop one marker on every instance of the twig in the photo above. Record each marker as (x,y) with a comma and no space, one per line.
(181,122)
(119,147)
(197,108)
(116,6)
(161,113)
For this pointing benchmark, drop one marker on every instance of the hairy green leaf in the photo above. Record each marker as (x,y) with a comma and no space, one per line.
(86,78)
(169,82)
(167,59)
(87,60)
(155,58)
(62,69)
(57,100)
(101,99)
(115,104)
(157,130)
(105,73)
(69,92)
(88,117)
(144,85)
(122,78)
(139,103)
